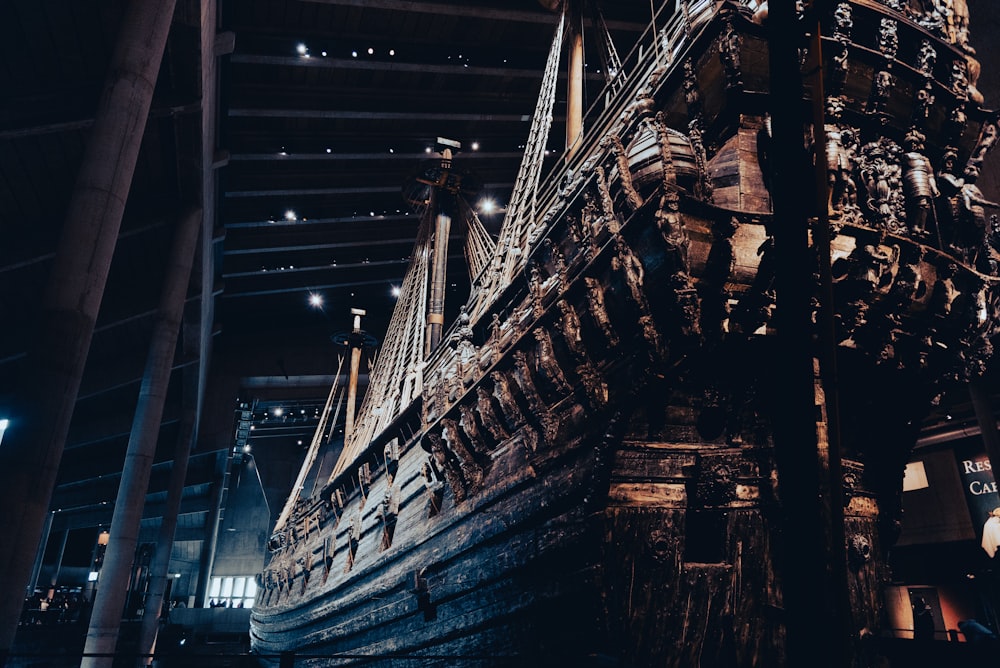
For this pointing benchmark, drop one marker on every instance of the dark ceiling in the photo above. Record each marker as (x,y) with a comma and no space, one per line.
(293,125)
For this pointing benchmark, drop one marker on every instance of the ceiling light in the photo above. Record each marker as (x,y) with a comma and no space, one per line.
(354,54)
(394,291)
(278,411)
(329,150)
(487,206)
(392,52)
(323,53)
(371,51)
(475,146)
(290,215)
(302,49)
(315,300)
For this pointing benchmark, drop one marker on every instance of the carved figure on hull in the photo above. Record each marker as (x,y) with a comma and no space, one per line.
(919,186)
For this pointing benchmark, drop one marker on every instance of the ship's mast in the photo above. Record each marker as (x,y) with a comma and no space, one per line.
(574,78)
(442,230)
(356,342)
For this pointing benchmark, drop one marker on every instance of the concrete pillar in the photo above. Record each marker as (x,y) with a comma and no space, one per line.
(36,437)
(36,570)
(165,541)
(207,561)
(54,578)
(105,620)
(810,597)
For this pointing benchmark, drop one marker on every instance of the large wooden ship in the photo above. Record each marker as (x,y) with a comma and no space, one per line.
(658,425)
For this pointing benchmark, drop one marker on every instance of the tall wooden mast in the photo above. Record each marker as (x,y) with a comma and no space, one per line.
(574,78)
(356,342)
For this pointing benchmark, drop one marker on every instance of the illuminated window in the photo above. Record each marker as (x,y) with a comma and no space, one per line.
(232,592)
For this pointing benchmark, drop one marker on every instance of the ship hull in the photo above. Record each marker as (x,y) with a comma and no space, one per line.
(590,476)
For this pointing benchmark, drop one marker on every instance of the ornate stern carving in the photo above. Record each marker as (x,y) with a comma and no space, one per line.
(730,44)
(841,147)
(594,387)
(919,186)
(471,430)
(535,289)
(888,38)
(546,362)
(433,485)
(882,85)
(508,404)
(718,269)
(539,410)
(465,351)
(364,481)
(607,217)
(447,465)
(388,510)
(632,197)
(472,472)
(882,177)
(569,325)
(391,455)
(631,267)
(488,416)
(595,303)
(353,538)
(329,550)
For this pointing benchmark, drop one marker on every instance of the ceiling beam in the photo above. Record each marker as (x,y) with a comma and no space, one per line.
(325,267)
(467,10)
(374,115)
(342,64)
(346,190)
(84,123)
(313,247)
(277,223)
(381,156)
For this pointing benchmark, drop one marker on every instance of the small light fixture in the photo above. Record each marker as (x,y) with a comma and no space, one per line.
(315,300)
(290,215)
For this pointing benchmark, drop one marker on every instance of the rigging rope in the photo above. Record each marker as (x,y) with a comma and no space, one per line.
(400,356)
(307,465)
(521,212)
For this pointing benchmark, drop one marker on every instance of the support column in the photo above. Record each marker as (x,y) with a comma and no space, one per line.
(36,570)
(105,620)
(54,578)
(34,442)
(207,562)
(158,569)
(813,630)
